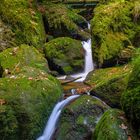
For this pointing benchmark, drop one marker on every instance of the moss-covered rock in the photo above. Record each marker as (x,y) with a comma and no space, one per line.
(61,21)
(113,126)
(113,31)
(7,39)
(131,97)
(65,55)
(79,118)
(25,21)
(108,84)
(27,100)
(13,59)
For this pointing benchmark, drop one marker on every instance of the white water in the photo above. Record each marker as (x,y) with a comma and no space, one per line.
(88,62)
(51,124)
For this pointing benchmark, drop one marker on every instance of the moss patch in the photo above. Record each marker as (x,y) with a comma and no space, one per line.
(113,126)
(113,30)
(13,59)
(25,21)
(7,38)
(62,21)
(131,97)
(26,103)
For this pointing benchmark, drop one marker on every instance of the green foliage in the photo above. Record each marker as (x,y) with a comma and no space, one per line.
(65,53)
(25,21)
(112,126)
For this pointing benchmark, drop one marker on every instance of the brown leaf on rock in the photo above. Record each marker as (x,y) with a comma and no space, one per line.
(2,101)
(30,78)
(123,126)
(129,138)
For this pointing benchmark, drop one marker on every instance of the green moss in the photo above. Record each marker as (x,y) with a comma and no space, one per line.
(113,30)
(109,84)
(64,22)
(29,98)
(7,39)
(113,126)
(65,55)
(13,59)
(131,97)
(8,123)
(79,118)
(25,21)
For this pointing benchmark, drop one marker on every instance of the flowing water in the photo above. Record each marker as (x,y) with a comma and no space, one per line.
(88,62)
(89,66)
(51,124)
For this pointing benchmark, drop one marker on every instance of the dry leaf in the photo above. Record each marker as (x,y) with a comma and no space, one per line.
(123,126)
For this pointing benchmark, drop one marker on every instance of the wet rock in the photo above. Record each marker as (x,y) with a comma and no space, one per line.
(113,33)
(24,20)
(13,59)
(27,99)
(65,55)
(131,97)
(62,21)
(113,126)
(79,118)
(108,84)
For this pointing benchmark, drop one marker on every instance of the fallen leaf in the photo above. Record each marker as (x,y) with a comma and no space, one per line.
(30,78)
(129,138)
(123,126)
(2,101)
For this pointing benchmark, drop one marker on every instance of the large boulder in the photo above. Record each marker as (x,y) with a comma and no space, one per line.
(65,55)
(108,84)
(79,118)
(114,32)
(113,126)
(24,20)
(13,59)
(27,93)
(61,21)
(26,101)
(131,97)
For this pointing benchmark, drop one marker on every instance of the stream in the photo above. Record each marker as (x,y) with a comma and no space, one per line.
(54,117)
(51,124)
(88,62)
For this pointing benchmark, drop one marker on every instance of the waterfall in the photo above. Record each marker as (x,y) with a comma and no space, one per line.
(88,66)
(51,124)
(88,62)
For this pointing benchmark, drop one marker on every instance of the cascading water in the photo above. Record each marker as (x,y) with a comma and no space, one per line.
(88,62)
(89,66)
(51,124)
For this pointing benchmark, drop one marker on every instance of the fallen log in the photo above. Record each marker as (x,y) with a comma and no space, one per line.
(63,82)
